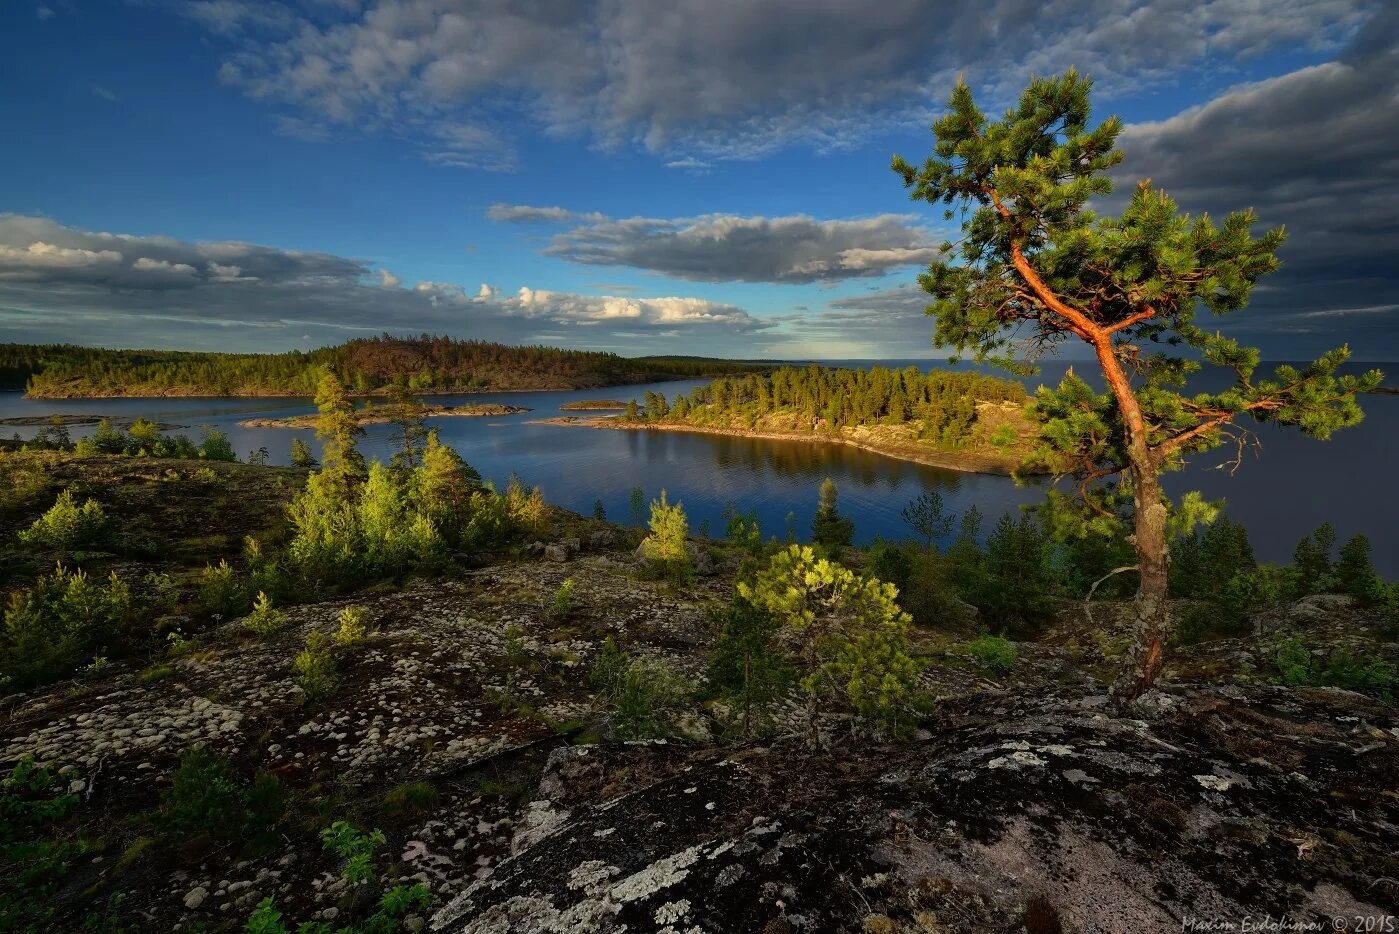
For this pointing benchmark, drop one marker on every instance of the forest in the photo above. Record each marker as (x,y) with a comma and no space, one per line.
(941,406)
(426,363)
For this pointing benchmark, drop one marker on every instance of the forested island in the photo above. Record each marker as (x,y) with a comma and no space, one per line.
(425,364)
(387,414)
(962,421)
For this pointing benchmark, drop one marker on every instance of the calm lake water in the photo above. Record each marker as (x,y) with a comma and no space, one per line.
(1293,485)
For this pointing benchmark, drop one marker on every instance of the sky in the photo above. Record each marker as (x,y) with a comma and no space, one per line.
(643,176)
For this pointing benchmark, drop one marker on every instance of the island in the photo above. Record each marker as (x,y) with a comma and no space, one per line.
(957,421)
(593,405)
(381,415)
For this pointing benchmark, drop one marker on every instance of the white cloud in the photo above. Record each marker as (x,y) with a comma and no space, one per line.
(730,247)
(57,280)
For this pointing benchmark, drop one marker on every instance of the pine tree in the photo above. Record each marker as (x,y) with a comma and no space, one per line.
(338,428)
(302,455)
(1355,575)
(829,528)
(1036,265)
(406,413)
(850,638)
(927,516)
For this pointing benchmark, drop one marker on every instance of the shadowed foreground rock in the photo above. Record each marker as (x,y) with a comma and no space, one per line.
(1238,804)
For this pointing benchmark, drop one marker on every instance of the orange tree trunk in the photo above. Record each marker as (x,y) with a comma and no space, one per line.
(1151,616)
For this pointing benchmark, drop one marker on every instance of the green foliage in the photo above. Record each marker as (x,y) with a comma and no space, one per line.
(665,550)
(219,593)
(425,364)
(599,511)
(829,528)
(34,853)
(643,694)
(353,627)
(265,620)
(315,667)
(355,848)
(1297,665)
(24,479)
(747,665)
(63,620)
(941,404)
(67,526)
(207,803)
(636,503)
(849,635)
(338,428)
(995,653)
(1311,560)
(743,529)
(1010,582)
(302,455)
(563,602)
(358,850)
(1355,575)
(411,798)
(526,508)
(928,517)
(215,446)
(406,413)
(1036,266)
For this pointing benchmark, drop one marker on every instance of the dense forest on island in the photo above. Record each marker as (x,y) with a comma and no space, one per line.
(894,410)
(427,364)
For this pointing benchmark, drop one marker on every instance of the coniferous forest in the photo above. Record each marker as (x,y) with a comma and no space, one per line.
(427,364)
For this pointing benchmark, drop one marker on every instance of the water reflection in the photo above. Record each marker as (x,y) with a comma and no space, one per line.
(1294,486)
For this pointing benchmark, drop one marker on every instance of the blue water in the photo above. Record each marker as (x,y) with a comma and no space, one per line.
(1292,485)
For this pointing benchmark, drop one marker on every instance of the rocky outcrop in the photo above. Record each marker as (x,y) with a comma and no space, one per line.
(1051,806)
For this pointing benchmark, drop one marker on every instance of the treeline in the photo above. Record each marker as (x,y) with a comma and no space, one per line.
(940,405)
(425,364)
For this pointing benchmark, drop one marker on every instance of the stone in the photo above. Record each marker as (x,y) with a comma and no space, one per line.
(195,897)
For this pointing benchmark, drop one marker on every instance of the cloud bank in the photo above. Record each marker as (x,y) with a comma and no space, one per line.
(733,248)
(713,79)
(65,283)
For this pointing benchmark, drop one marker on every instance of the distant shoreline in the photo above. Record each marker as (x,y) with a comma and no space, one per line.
(375,416)
(964,462)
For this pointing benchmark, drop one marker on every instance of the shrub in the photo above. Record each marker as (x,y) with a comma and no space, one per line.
(357,850)
(665,549)
(829,528)
(265,620)
(526,508)
(747,665)
(1298,666)
(743,530)
(215,446)
(850,635)
(33,801)
(996,654)
(315,667)
(354,626)
(563,602)
(643,693)
(207,803)
(219,593)
(59,623)
(67,525)
(302,455)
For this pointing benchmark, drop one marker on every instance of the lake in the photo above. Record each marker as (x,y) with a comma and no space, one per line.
(1292,485)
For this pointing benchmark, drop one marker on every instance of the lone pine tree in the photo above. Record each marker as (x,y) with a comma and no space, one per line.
(1035,268)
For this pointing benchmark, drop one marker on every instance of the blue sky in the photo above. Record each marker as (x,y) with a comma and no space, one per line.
(239,174)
